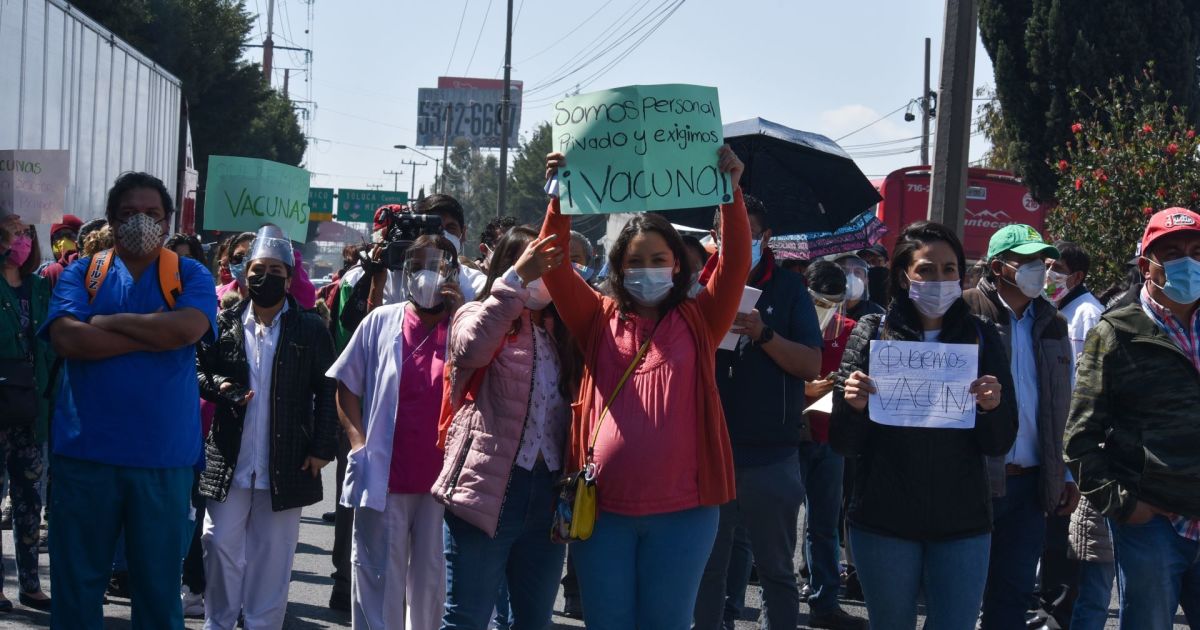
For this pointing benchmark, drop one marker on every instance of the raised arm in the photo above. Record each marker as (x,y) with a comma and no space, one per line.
(720,302)
(577,303)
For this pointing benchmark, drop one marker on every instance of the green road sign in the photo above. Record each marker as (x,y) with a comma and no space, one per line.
(360,205)
(320,204)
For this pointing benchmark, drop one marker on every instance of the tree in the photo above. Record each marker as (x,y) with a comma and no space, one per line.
(471,178)
(232,111)
(1135,155)
(990,122)
(1042,50)
(526,195)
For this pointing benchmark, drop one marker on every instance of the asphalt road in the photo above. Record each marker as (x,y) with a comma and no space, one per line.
(310,587)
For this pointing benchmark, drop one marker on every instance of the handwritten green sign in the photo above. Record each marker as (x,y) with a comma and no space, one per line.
(243,194)
(640,148)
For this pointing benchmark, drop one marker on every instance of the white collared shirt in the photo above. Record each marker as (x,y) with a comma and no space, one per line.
(253,469)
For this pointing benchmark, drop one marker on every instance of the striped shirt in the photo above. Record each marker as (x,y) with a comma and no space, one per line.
(1188,340)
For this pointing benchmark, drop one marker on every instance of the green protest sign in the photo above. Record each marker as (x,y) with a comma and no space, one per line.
(640,148)
(320,204)
(360,205)
(243,194)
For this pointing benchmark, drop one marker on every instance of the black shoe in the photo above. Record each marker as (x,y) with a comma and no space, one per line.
(339,601)
(853,588)
(118,585)
(329,517)
(838,619)
(806,593)
(34,603)
(753,575)
(573,607)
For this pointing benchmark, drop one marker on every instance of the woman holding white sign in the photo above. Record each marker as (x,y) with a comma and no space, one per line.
(648,426)
(920,517)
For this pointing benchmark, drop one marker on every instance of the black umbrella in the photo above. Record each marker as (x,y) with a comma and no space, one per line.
(808,183)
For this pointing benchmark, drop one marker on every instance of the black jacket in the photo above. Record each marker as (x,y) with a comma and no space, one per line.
(303,411)
(915,483)
(763,404)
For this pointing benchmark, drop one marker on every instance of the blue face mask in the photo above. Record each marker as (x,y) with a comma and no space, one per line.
(238,271)
(1183,280)
(584,271)
(755,252)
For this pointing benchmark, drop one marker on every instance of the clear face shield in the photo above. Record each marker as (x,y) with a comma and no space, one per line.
(831,310)
(856,278)
(424,273)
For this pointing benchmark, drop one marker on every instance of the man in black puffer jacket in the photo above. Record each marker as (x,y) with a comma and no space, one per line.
(275,428)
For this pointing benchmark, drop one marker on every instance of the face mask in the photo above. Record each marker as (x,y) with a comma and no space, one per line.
(539,295)
(1031,278)
(855,288)
(238,272)
(18,252)
(755,252)
(1056,285)
(825,315)
(696,287)
(649,286)
(933,299)
(1183,280)
(584,271)
(454,240)
(266,290)
(140,235)
(63,246)
(425,288)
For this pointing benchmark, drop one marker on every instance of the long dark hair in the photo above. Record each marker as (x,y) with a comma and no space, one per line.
(642,224)
(29,267)
(508,250)
(914,236)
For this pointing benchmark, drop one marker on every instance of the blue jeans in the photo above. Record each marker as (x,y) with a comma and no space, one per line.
(894,571)
(521,553)
(1018,536)
(1157,571)
(822,472)
(741,562)
(90,504)
(767,506)
(1095,593)
(644,571)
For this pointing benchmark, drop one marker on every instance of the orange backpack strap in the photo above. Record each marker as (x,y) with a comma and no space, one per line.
(168,276)
(97,271)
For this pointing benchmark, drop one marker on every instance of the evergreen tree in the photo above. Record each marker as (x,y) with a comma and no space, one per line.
(526,193)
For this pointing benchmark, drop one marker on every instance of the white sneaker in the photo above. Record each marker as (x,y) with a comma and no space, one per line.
(193,603)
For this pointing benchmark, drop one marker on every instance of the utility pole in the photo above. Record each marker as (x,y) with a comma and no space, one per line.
(269,43)
(287,76)
(925,109)
(948,182)
(445,152)
(505,103)
(412,187)
(395,179)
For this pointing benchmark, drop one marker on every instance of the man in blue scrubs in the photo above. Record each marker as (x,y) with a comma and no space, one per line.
(127,420)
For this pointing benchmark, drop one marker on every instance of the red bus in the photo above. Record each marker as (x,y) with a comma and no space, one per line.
(994,199)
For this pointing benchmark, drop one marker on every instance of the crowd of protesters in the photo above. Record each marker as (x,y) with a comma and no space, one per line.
(172,421)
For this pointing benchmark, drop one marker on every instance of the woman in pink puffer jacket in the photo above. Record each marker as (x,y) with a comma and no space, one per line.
(505,446)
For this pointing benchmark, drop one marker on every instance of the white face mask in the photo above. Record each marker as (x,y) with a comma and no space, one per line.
(539,295)
(825,315)
(649,286)
(933,299)
(855,288)
(1031,277)
(425,288)
(455,241)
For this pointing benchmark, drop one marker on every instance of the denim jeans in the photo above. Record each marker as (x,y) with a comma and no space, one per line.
(1157,571)
(822,473)
(767,505)
(521,553)
(894,571)
(644,571)
(1095,593)
(1018,537)
(741,563)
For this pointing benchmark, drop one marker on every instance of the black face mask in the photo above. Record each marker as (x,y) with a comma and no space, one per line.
(877,278)
(266,290)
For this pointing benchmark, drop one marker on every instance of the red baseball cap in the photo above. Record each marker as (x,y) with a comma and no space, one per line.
(69,221)
(382,213)
(1167,222)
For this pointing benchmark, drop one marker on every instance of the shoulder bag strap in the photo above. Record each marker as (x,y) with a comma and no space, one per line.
(625,377)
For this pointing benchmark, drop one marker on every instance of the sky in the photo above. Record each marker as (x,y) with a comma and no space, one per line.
(825,67)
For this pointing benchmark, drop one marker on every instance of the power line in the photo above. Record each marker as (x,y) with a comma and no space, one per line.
(479,37)
(569,33)
(599,40)
(377,122)
(454,48)
(878,144)
(874,122)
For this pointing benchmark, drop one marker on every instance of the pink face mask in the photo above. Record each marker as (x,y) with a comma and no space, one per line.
(18,252)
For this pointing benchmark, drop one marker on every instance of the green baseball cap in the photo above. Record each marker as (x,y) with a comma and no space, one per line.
(1019,239)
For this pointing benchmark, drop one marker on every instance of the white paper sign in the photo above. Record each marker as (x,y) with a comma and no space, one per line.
(749,299)
(920,384)
(33,184)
